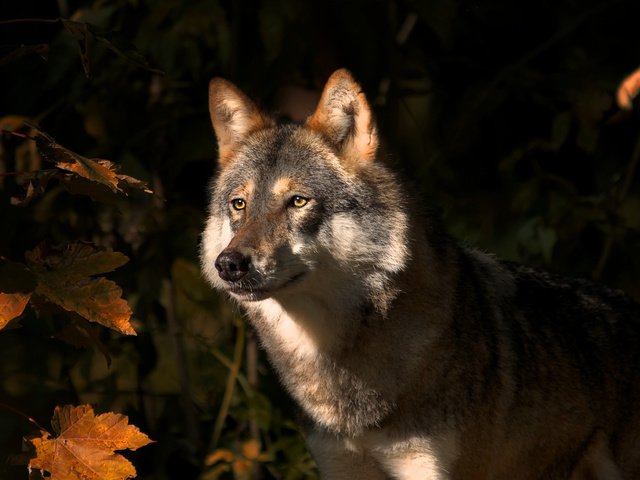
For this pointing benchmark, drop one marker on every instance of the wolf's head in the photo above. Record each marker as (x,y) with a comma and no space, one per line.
(301,208)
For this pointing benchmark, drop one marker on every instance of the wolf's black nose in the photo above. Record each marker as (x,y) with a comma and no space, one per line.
(232,265)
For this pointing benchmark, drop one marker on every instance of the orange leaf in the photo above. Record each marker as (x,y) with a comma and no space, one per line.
(241,468)
(64,278)
(75,260)
(96,170)
(628,90)
(221,455)
(97,300)
(251,449)
(84,448)
(11,306)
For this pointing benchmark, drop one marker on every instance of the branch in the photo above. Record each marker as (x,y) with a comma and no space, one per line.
(618,199)
(231,382)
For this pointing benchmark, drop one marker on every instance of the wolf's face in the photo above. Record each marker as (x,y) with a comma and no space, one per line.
(291,201)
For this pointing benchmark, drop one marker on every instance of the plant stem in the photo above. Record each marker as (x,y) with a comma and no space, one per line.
(230,387)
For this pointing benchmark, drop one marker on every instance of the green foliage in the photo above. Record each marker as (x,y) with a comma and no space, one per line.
(502,112)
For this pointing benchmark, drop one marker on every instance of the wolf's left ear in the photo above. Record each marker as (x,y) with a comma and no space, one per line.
(233,115)
(344,117)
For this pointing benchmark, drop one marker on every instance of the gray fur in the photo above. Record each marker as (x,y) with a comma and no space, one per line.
(410,355)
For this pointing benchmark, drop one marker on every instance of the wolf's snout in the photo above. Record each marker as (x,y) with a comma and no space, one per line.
(232,265)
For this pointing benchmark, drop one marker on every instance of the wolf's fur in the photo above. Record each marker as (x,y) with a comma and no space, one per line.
(411,356)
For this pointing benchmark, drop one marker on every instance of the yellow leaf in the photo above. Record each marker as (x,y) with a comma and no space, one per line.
(75,260)
(219,456)
(96,170)
(97,300)
(11,306)
(628,90)
(84,448)
(251,449)
(64,278)
(241,468)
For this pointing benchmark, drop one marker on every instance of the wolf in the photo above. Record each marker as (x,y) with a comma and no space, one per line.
(410,354)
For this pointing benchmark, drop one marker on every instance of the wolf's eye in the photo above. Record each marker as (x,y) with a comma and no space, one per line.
(238,204)
(298,201)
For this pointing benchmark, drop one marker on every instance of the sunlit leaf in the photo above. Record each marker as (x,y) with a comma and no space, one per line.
(97,300)
(100,171)
(11,306)
(75,260)
(628,90)
(85,444)
(221,455)
(64,278)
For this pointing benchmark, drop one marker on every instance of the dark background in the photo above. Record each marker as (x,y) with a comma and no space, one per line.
(501,113)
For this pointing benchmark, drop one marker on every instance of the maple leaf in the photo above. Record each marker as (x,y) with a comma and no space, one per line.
(64,277)
(97,300)
(97,170)
(16,286)
(85,444)
(12,306)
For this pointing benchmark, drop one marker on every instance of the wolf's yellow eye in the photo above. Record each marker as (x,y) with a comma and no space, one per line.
(298,201)
(238,204)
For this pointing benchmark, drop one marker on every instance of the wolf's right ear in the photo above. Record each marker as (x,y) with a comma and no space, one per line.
(233,116)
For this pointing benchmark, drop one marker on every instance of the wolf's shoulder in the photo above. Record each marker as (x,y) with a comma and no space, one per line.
(569,299)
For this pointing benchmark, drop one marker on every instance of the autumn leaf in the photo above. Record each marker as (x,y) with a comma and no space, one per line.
(94,177)
(100,171)
(103,172)
(85,444)
(628,90)
(220,455)
(242,463)
(64,277)
(75,260)
(16,285)
(97,300)
(11,306)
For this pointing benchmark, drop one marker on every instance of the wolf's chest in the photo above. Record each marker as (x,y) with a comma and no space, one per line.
(334,391)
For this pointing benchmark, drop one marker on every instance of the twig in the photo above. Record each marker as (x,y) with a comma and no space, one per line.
(183,371)
(24,415)
(618,199)
(252,376)
(31,20)
(569,28)
(230,387)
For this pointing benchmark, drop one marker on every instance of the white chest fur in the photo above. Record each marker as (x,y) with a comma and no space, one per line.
(289,334)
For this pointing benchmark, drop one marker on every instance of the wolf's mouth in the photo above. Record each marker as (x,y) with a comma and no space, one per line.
(250,291)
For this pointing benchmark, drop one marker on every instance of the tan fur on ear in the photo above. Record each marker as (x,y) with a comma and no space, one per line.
(233,116)
(344,117)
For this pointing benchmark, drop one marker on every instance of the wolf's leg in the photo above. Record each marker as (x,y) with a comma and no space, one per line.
(336,462)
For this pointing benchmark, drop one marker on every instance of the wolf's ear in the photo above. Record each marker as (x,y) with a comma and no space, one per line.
(344,117)
(233,115)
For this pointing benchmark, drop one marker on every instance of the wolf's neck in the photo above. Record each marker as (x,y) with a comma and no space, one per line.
(308,324)
(332,347)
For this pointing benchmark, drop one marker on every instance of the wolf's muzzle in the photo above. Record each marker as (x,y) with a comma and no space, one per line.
(232,265)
